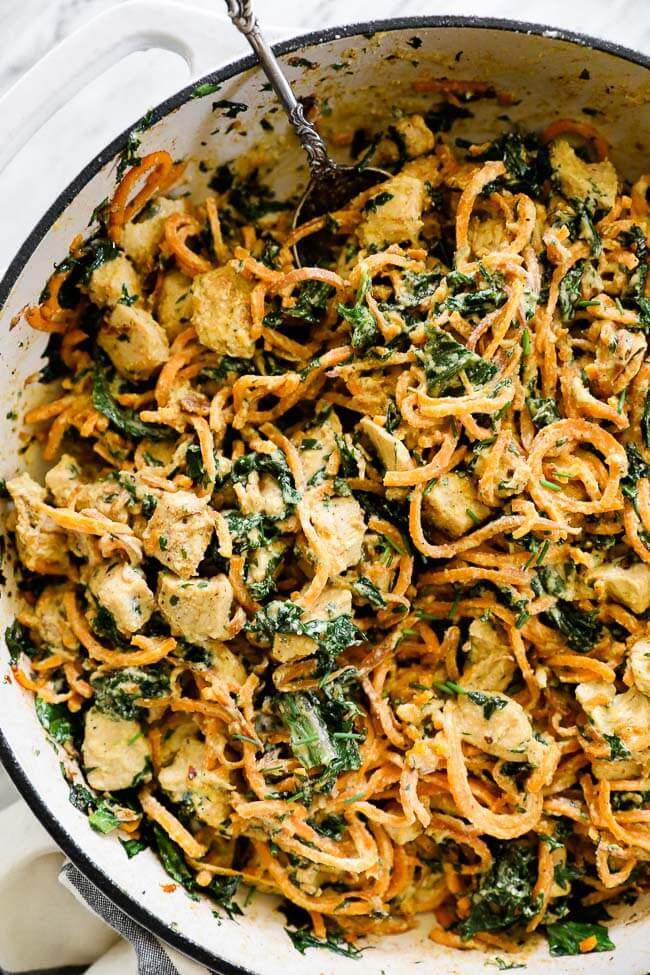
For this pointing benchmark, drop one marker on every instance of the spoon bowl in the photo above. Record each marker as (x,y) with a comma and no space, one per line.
(331,186)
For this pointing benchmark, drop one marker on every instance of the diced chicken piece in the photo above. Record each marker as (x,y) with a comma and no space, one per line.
(134,341)
(506,733)
(397,219)
(453,505)
(42,546)
(425,168)
(317,444)
(174,304)
(262,495)
(115,752)
(511,476)
(331,603)
(639,660)
(411,135)
(620,354)
(141,238)
(490,664)
(123,592)
(340,524)
(631,587)
(619,768)
(63,480)
(187,777)
(392,452)
(198,610)
(114,281)
(595,184)
(179,532)
(623,715)
(263,562)
(50,622)
(222,312)
(486,235)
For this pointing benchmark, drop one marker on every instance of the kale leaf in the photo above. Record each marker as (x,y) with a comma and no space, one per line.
(60,724)
(581,628)
(543,410)
(125,420)
(505,896)
(569,291)
(19,641)
(117,691)
(250,531)
(565,937)
(443,358)
(366,589)
(274,464)
(303,939)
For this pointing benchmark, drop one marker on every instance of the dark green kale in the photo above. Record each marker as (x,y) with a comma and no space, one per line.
(364,331)
(637,468)
(221,890)
(489,702)
(253,200)
(311,302)
(333,826)
(635,295)
(228,366)
(569,292)
(565,937)
(60,724)
(303,939)
(230,109)
(525,161)
(123,419)
(274,464)
(308,733)
(505,897)
(261,591)
(373,204)
(222,179)
(349,459)
(116,692)
(133,847)
(104,625)
(103,819)
(645,421)
(416,286)
(442,117)
(443,358)
(129,155)
(581,629)
(617,747)
(19,641)
(543,410)
(366,589)
(54,367)
(251,531)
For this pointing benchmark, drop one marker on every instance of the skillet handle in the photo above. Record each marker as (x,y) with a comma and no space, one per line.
(196,35)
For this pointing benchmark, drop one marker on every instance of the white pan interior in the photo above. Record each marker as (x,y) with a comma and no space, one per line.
(550,78)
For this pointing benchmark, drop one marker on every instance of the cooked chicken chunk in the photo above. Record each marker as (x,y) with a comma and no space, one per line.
(174,304)
(222,312)
(594,183)
(453,505)
(331,603)
(115,752)
(340,524)
(42,546)
(501,727)
(134,341)
(628,586)
(122,591)
(392,453)
(49,620)
(199,610)
(394,213)
(186,777)
(623,715)
(179,532)
(639,659)
(141,238)
(490,664)
(411,135)
(114,281)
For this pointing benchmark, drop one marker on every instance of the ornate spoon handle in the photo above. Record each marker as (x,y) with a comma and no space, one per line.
(243,17)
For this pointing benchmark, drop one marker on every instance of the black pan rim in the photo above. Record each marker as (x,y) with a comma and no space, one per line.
(29,793)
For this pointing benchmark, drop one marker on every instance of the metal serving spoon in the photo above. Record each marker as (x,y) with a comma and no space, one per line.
(331,186)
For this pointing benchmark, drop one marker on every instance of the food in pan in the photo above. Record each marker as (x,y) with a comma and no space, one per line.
(338,581)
